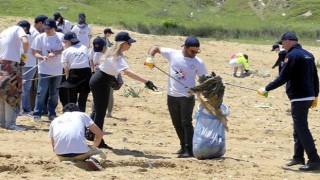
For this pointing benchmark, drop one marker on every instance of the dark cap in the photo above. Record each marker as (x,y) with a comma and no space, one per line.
(49,24)
(275,46)
(124,36)
(82,15)
(191,42)
(25,24)
(56,16)
(72,37)
(98,44)
(40,18)
(108,30)
(288,36)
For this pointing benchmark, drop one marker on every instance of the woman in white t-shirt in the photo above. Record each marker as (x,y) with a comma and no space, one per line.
(62,23)
(105,76)
(75,60)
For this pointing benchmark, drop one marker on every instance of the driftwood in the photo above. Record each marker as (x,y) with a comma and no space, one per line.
(210,93)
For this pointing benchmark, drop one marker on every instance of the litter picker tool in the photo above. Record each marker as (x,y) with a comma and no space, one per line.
(243,87)
(33,67)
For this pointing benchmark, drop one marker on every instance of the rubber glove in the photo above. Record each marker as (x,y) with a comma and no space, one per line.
(314,103)
(151,86)
(263,92)
(149,62)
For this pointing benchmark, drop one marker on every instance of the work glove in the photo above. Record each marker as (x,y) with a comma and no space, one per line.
(23,59)
(151,86)
(263,92)
(149,62)
(314,103)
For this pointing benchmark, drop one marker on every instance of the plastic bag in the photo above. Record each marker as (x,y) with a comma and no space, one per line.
(118,82)
(209,140)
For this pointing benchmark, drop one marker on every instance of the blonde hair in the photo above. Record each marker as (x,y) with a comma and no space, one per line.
(115,51)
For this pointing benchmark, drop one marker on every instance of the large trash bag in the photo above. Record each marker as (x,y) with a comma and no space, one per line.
(209,140)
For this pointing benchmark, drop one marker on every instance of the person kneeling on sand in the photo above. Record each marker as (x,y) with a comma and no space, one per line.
(68,141)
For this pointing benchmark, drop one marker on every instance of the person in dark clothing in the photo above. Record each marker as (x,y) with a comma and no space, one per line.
(281,56)
(302,87)
(105,77)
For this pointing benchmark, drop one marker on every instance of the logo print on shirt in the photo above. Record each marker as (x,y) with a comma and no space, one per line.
(179,74)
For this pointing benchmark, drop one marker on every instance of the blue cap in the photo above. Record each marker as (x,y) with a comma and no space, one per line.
(98,44)
(26,25)
(124,36)
(191,42)
(72,37)
(288,36)
(49,24)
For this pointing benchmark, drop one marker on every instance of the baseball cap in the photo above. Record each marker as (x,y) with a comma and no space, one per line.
(275,46)
(82,15)
(25,24)
(98,44)
(40,18)
(108,30)
(56,16)
(49,24)
(191,42)
(288,36)
(124,36)
(72,37)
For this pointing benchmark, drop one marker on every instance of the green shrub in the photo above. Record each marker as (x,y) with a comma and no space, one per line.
(169,23)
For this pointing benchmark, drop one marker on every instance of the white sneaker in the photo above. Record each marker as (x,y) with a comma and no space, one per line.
(17,128)
(94,164)
(37,118)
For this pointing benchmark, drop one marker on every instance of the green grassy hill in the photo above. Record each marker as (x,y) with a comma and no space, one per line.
(221,19)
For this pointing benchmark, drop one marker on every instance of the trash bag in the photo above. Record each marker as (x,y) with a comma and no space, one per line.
(209,140)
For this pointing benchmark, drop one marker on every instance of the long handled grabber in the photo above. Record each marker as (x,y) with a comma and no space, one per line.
(247,88)
(33,67)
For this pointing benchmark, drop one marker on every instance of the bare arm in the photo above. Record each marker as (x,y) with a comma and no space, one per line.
(98,134)
(134,76)
(154,50)
(38,55)
(25,44)
(66,69)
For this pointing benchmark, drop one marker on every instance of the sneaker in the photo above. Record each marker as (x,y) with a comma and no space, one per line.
(17,128)
(51,118)
(296,162)
(186,154)
(25,113)
(37,118)
(181,151)
(94,164)
(109,115)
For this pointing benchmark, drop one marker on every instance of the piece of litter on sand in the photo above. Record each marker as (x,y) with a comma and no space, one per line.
(149,163)
(157,92)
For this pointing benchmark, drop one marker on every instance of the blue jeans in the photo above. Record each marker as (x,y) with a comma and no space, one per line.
(44,85)
(26,85)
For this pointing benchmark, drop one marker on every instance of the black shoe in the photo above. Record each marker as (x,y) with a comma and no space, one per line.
(310,166)
(104,146)
(295,162)
(51,118)
(186,154)
(180,151)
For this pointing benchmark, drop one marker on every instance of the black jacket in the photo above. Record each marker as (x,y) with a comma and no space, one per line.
(299,71)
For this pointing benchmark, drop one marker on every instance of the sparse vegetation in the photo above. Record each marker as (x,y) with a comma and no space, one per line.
(132,92)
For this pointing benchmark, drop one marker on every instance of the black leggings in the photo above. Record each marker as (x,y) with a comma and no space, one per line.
(181,109)
(100,83)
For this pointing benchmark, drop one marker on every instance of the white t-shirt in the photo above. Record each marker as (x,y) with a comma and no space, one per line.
(114,67)
(46,44)
(183,69)
(31,60)
(65,27)
(68,131)
(11,43)
(76,56)
(83,34)
(95,56)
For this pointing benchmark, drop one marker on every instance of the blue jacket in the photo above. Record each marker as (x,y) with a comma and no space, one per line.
(300,73)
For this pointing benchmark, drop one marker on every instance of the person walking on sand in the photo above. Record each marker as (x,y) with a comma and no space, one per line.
(302,87)
(106,75)
(11,40)
(184,67)
(68,141)
(281,56)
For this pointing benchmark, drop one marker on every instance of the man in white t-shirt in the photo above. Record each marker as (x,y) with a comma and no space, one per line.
(68,141)
(47,48)
(10,72)
(184,67)
(83,30)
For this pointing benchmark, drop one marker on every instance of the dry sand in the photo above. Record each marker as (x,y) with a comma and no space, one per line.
(259,142)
